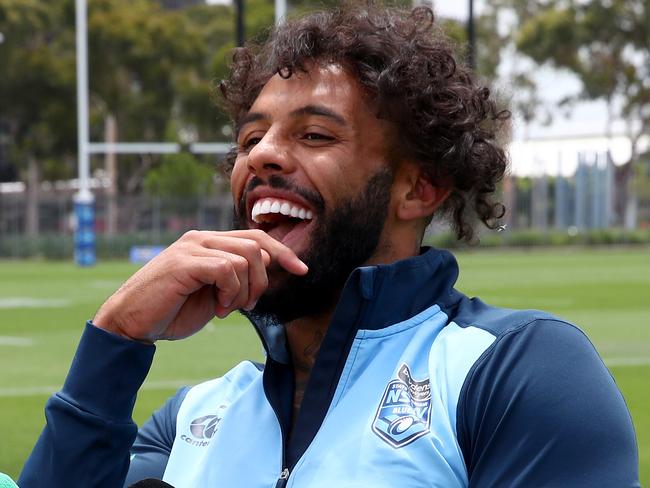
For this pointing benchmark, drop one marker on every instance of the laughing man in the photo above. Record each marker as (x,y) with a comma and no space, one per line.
(354,128)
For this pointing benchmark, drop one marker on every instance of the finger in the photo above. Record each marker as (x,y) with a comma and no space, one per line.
(221,311)
(257,258)
(241,267)
(260,284)
(278,252)
(217,269)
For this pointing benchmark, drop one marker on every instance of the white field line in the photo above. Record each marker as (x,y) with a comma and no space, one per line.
(627,361)
(16,341)
(23,391)
(29,302)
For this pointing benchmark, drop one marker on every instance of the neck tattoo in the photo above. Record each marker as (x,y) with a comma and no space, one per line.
(303,364)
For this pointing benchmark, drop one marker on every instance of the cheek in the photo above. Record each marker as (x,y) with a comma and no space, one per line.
(332,177)
(238,178)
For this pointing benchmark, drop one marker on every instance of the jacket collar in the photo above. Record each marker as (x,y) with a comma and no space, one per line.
(386,293)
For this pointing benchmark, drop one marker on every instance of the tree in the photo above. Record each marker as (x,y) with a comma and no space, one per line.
(503,17)
(37,91)
(151,76)
(606,45)
(180,175)
(138,56)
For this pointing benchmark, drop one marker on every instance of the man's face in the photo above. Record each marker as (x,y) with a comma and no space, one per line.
(312,171)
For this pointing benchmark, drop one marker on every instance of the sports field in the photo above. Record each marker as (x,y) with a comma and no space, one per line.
(43,307)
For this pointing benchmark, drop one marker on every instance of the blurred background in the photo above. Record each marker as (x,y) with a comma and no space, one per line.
(575,239)
(576,75)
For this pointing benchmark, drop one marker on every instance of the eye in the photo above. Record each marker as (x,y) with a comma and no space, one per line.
(248,144)
(317,136)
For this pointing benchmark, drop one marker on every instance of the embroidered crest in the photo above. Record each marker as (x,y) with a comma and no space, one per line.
(404,413)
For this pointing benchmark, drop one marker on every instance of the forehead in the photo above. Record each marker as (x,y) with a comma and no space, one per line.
(329,86)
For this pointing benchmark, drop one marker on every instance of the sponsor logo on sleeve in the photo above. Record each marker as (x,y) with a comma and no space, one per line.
(404,413)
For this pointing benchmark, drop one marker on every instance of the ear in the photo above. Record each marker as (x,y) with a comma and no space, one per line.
(417,197)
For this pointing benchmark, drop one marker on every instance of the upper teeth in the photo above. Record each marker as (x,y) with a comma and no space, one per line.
(275,205)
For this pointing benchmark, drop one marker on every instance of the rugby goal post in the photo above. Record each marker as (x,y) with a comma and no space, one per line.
(84,235)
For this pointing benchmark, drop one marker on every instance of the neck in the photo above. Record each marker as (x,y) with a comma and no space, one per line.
(304,337)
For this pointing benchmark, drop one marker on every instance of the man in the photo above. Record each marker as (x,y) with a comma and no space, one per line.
(354,127)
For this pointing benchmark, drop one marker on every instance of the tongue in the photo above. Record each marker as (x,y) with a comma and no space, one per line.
(280,230)
(284,228)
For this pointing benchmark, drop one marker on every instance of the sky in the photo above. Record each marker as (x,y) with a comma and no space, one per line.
(456,9)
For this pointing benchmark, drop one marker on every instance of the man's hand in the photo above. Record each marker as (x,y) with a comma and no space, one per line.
(201,275)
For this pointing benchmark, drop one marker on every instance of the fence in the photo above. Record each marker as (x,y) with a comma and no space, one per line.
(120,221)
(593,197)
(590,198)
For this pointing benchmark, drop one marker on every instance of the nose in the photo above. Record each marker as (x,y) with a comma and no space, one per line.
(270,155)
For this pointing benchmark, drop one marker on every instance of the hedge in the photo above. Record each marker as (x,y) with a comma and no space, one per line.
(57,246)
(536,238)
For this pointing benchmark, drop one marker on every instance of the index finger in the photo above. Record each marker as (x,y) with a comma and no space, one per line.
(277,251)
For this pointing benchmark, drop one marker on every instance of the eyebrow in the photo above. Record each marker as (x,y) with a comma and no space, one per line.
(306,110)
(319,110)
(248,118)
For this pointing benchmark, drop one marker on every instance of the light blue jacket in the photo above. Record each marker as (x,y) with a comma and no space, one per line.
(415,385)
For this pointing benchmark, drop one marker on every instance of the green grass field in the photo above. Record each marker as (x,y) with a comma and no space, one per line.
(44,305)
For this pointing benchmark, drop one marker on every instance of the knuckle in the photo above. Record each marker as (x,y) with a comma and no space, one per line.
(251,247)
(223,266)
(258,233)
(191,235)
(182,246)
(240,263)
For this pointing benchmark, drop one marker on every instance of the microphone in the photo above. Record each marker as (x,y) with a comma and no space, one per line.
(146,483)
(7,482)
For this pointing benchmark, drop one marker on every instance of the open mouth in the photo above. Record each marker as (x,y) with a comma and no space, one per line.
(284,220)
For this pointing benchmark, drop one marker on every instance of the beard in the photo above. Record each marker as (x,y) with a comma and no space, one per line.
(345,238)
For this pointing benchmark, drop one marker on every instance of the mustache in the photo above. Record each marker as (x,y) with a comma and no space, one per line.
(280,183)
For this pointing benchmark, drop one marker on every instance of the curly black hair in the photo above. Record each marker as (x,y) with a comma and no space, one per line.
(446,120)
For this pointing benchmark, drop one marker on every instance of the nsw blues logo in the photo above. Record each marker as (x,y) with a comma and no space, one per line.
(404,413)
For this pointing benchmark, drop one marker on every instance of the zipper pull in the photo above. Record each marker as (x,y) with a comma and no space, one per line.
(282,480)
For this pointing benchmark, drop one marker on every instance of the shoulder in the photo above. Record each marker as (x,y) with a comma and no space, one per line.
(528,349)
(195,408)
(499,347)
(477,335)
(239,377)
(538,396)
(224,389)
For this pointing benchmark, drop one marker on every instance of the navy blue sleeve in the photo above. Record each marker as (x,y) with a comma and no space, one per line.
(540,408)
(153,444)
(89,429)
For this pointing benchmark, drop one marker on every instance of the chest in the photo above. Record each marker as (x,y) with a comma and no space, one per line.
(390,423)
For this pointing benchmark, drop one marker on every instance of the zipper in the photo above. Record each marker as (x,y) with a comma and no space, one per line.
(284,474)
(282,480)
